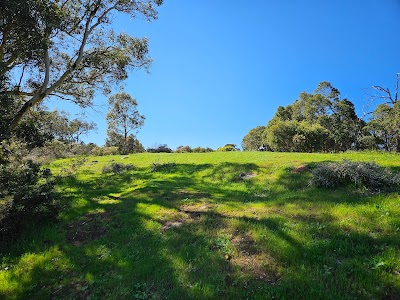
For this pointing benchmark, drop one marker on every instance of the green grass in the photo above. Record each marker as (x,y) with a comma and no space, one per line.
(210,226)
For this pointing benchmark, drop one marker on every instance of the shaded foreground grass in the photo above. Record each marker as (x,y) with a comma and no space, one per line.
(211,226)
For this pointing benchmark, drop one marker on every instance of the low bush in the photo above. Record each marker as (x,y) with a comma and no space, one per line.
(26,195)
(163,167)
(102,151)
(57,149)
(117,168)
(365,174)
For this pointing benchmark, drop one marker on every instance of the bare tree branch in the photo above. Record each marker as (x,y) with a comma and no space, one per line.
(47,70)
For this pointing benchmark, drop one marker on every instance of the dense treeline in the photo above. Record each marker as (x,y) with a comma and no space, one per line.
(323,122)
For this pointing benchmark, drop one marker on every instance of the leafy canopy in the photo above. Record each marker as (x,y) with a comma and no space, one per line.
(67,48)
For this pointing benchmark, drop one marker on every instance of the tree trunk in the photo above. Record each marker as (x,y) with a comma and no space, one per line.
(24,109)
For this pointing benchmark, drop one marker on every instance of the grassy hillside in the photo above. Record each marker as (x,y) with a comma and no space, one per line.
(210,226)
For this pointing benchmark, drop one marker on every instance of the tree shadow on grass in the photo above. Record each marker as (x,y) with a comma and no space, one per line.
(115,242)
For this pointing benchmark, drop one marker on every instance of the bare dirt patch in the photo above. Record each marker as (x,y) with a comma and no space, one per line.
(196,208)
(185,215)
(172,224)
(300,169)
(245,176)
(258,267)
(90,228)
(252,264)
(245,244)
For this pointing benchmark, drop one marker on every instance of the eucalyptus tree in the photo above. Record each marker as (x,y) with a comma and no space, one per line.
(384,123)
(123,118)
(318,121)
(129,145)
(78,127)
(67,49)
(253,140)
(385,94)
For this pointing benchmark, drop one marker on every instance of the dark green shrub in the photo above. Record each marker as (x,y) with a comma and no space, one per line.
(26,197)
(366,174)
(117,168)
(163,167)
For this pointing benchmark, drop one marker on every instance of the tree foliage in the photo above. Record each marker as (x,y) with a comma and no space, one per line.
(40,125)
(67,49)
(163,148)
(384,124)
(318,121)
(184,149)
(129,145)
(26,192)
(228,148)
(123,118)
(253,139)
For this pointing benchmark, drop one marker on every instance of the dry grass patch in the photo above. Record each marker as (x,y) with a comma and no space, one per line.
(249,264)
(299,169)
(257,268)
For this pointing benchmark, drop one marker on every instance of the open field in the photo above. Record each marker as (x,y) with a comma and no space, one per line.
(240,225)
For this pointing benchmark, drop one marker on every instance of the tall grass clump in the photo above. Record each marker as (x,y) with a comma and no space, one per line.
(365,174)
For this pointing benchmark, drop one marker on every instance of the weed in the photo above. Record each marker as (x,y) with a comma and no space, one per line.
(223,243)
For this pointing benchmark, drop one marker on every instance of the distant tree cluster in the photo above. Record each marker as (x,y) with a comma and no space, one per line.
(163,148)
(160,149)
(188,149)
(228,148)
(41,126)
(323,122)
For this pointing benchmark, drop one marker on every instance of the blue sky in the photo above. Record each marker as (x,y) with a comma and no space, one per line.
(222,67)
